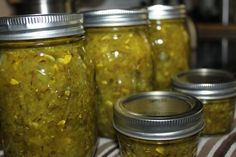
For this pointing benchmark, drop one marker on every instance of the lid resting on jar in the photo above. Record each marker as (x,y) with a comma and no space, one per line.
(206,83)
(115,17)
(26,27)
(158,116)
(161,12)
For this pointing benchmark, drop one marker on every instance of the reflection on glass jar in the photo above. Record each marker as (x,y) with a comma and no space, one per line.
(116,39)
(46,88)
(170,42)
(216,90)
(158,124)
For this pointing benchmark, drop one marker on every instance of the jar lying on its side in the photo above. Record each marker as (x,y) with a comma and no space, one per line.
(46,87)
(117,41)
(217,91)
(170,42)
(158,124)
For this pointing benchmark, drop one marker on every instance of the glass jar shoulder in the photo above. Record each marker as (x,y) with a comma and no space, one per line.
(178,22)
(60,52)
(119,38)
(175,28)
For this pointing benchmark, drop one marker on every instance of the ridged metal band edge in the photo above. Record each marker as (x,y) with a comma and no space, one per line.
(40,26)
(195,117)
(162,12)
(115,17)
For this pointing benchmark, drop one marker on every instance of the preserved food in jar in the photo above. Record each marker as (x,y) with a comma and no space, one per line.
(131,147)
(123,64)
(218,115)
(47,93)
(170,41)
(158,124)
(216,90)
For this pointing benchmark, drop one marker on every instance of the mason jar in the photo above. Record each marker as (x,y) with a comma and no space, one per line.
(217,91)
(158,124)
(117,42)
(46,87)
(170,41)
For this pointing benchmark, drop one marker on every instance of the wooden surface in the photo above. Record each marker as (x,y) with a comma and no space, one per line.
(216,31)
(5,9)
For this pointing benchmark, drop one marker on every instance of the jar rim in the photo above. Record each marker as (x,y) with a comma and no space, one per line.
(40,26)
(115,17)
(161,12)
(158,126)
(206,83)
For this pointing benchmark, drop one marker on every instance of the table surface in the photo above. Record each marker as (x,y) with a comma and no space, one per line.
(209,146)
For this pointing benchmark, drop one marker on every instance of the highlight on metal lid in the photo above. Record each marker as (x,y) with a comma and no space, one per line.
(115,17)
(161,12)
(206,83)
(158,116)
(40,26)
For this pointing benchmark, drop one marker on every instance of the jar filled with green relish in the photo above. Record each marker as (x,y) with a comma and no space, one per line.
(170,42)
(117,41)
(160,124)
(46,87)
(217,91)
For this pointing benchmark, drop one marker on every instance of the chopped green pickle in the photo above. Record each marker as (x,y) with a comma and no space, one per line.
(170,43)
(123,65)
(218,115)
(131,147)
(47,92)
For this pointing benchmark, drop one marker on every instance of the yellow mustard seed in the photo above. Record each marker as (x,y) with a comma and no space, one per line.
(14,82)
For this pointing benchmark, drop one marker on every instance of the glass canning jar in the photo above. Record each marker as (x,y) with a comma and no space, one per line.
(116,40)
(46,87)
(158,124)
(170,41)
(217,91)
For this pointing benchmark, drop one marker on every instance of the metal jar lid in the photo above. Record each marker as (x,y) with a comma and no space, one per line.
(161,12)
(158,116)
(206,83)
(27,27)
(115,17)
